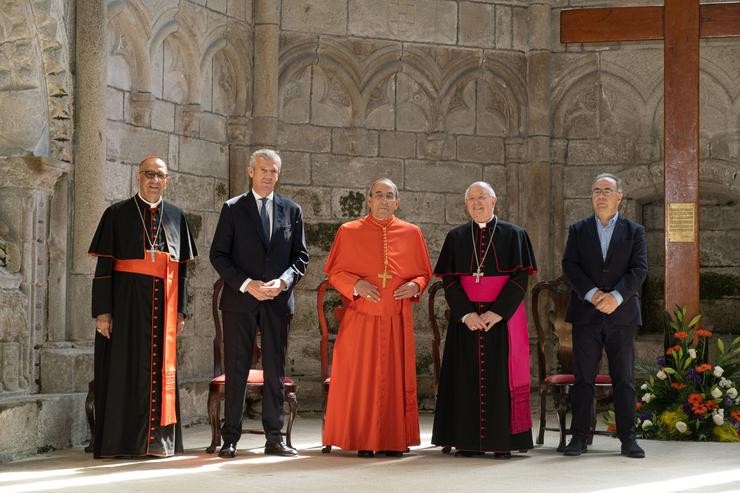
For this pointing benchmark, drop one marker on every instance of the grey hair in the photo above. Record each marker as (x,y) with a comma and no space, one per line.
(485,185)
(610,176)
(268,154)
(388,181)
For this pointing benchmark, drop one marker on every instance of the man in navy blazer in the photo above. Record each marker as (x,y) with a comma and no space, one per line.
(259,250)
(605,261)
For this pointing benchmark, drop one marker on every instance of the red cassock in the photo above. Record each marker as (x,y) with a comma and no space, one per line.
(372,402)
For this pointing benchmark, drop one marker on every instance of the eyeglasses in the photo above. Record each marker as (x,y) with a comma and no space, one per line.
(150,175)
(606,192)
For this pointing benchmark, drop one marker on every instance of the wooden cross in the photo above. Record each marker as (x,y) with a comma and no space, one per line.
(385,276)
(680,24)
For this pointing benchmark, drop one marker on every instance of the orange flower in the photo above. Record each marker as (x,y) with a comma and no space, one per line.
(704,333)
(735,415)
(611,428)
(678,385)
(638,405)
(703,367)
(699,410)
(672,349)
(711,405)
(681,335)
(695,398)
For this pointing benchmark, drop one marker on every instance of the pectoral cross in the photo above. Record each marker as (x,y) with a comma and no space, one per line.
(385,276)
(153,252)
(477,274)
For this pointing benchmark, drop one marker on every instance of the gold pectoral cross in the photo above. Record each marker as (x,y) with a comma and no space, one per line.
(477,274)
(385,276)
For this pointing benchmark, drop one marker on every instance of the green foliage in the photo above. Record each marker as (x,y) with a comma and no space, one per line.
(687,397)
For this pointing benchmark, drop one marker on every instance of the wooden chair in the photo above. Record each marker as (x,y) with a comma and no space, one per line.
(255,381)
(328,336)
(435,288)
(555,356)
(436,332)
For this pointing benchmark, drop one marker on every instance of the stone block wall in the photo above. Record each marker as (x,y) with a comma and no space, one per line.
(429,94)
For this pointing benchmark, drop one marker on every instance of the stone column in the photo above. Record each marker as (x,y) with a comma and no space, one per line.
(265,76)
(535,177)
(89,175)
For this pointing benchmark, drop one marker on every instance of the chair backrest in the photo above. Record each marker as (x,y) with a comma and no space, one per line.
(328,335)
(218,339)
(554,335)
(436,332)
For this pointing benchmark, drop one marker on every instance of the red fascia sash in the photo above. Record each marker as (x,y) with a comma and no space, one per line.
(164,268)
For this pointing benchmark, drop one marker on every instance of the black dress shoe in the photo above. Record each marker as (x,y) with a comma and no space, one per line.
(365,453)
(392,453)
(502,455)
(468,453)
(632,450)
(577,446)
(228,451)
(279,448)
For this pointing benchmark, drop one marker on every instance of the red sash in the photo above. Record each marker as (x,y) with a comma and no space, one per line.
(167,269)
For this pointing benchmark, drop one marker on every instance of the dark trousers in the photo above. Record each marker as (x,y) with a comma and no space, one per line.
(589,341)
(239,335)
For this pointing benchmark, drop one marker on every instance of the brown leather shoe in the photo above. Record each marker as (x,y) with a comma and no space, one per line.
(279,448)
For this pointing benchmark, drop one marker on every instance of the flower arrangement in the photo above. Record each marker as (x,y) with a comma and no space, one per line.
(688,397)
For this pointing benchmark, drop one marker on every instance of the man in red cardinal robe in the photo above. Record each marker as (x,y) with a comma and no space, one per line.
(381,265)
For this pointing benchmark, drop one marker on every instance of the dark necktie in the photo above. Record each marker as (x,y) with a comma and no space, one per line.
(265,219)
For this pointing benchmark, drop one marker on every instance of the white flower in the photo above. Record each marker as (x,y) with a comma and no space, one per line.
(716,392)
(643,386)
(725,383)
(647,397)
(732,392)
(681,426)
(718,371)
(661,374)
(692,353)
(646,424)
(718,419)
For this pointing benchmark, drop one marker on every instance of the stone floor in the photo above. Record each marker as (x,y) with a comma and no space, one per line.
(669,467)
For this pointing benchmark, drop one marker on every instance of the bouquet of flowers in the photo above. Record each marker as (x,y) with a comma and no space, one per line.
(688,397)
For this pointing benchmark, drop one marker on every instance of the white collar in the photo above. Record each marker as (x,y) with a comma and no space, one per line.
(483,225)
(259,197)
(152,205)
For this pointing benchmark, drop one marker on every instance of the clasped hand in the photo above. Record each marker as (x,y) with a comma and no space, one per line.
(370,292)
(483,322)
(264,291)
(604,302)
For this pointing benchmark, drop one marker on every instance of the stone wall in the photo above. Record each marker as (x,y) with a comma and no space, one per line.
(433,94)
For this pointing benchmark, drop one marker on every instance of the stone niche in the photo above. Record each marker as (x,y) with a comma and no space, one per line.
(32,259)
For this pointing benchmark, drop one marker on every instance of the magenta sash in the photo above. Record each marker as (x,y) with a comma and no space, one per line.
(488,290)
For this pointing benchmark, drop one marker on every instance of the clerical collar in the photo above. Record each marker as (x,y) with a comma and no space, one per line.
(483,225)
(152,205)
(380,222)
(258,196)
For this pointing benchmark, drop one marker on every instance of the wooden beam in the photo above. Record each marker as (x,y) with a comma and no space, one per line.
(720,20)
(611,24)
(681,148)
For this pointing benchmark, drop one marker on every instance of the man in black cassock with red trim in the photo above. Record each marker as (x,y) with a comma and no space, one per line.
(483,402)
(138,300)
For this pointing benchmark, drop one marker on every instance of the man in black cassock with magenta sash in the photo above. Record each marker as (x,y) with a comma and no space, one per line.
(483,398)
(139,294)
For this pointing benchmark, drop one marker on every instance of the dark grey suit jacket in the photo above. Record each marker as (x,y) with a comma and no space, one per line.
(239,251)
(624,270)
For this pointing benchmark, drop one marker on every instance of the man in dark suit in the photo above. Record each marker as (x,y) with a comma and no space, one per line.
(259,249)
(605,261)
